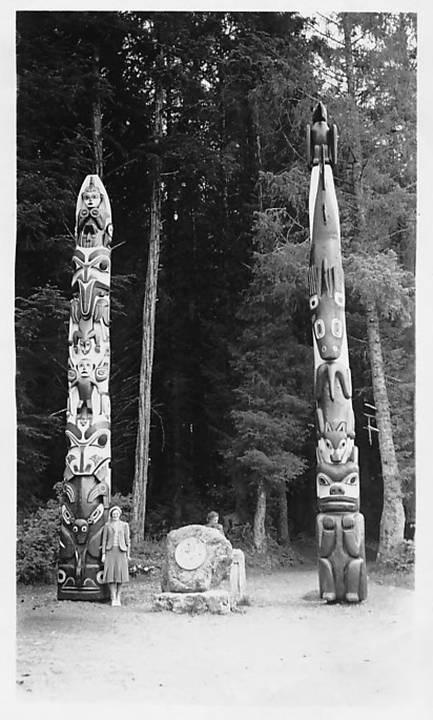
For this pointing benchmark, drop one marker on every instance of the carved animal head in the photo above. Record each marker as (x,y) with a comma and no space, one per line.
(337,487)
(334,444)
(80,526)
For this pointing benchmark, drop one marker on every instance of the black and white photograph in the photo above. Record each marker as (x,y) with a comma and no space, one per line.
(215,271)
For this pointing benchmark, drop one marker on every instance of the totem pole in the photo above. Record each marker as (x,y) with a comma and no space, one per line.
(86,482)
(339,525)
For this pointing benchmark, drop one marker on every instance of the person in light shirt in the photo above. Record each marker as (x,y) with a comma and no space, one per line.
(115,553)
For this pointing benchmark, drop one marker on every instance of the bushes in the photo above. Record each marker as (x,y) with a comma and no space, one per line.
(403,559)
(37,544)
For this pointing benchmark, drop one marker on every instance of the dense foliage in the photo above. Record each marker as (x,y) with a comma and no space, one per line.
(232,395)
(37,544)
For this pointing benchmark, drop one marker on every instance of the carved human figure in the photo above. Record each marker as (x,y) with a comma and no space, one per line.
(342,570)
(91,196)
(93,216)
(86,393)
(116,546)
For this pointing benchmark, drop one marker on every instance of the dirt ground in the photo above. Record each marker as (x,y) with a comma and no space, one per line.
(286,648)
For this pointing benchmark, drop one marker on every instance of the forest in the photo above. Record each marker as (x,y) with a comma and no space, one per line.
(232,407)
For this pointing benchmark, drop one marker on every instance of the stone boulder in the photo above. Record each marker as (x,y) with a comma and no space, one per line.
(197,559)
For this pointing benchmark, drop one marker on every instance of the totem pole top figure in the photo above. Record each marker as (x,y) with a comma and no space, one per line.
(93,214)
(321,139)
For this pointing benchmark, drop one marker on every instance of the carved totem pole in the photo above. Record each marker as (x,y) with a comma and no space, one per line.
(86,485)
(339,525)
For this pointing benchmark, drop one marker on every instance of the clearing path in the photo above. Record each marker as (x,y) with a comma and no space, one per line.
(287,648)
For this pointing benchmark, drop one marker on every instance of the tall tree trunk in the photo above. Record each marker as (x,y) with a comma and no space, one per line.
(223,140)
(149,305)
(256,126)
(393,518)
(97,118)
(259,530)
(283,520)
(176,439)
(356,146)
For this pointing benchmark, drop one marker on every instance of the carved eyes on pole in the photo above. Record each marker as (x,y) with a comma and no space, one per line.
(96,514)
(66,515)
(323,480)
(330,445)
(72,375)
(314,302)
(81,528)
(319,329)
(351,479)
(339,298)
(102,372)
(337,328)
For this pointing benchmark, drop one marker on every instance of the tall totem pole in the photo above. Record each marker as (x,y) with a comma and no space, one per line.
(339,525)
(86,484)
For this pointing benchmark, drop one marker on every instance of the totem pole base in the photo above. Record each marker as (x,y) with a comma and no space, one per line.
(342,567)
(87,588)
(83,594)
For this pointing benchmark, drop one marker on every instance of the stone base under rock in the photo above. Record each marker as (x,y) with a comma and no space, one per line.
(213,601)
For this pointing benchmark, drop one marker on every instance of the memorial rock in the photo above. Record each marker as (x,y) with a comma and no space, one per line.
(198,558)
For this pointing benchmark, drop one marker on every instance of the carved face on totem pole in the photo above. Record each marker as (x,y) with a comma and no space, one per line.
(89,449)
(327,318)
(91,197)
(93,221)
(334,413)
(91,278)
(326,280)
(338,486)
(83,519)
(334,444)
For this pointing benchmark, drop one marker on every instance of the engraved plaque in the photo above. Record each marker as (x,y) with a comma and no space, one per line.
(190,553)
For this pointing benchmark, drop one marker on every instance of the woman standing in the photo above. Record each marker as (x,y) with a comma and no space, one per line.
(115,553)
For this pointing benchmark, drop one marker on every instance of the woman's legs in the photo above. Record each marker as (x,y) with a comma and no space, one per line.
(113,593)
(118,589)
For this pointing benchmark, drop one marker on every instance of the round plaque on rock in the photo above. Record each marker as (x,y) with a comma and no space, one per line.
(190,553)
